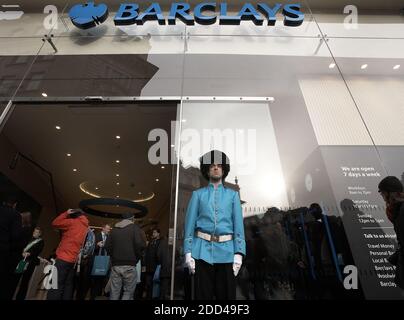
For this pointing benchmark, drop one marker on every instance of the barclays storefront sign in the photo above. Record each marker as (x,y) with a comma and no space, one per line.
(89,15)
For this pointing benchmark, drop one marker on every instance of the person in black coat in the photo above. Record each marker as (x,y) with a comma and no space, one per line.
(30,253)
(151,260)
(391,189)
(25,237)
(98,282)
(125,245)
(157,254)
(10,233)
(163,259)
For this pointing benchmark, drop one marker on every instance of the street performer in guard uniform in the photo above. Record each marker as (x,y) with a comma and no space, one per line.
(214,243)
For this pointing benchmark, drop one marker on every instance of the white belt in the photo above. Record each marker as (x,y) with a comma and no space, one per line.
(213,237)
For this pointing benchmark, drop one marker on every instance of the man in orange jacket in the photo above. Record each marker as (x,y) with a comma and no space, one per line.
(74,226)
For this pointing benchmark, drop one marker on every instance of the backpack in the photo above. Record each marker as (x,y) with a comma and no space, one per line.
(87,248)
(89,244)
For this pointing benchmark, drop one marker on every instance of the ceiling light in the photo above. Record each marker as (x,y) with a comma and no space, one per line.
(397,66)
(58,127)
(75,170)
(117,161)
(96,188)
(117,174)
(44,94)
(364,66)
(139,193)
(162,167)
(157,180)
(117,196)
(331,66)
(118,137)
(69,154)
(117,183)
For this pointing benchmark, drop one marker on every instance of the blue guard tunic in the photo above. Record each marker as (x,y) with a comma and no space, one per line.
(214,211)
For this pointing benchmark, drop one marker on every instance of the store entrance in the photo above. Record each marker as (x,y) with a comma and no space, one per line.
(59,155)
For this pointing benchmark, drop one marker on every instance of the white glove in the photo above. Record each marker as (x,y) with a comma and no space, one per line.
(190,263)
(237,262)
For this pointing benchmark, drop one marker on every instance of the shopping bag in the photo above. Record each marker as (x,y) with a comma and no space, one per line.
(100,265)
(21,267)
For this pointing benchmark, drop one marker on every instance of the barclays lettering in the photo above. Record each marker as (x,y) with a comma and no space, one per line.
(89,15)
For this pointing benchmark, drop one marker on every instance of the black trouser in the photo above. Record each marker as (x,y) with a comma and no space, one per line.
(83,279)
(97,285)
(13,278)
(214,281)
(65,281)
(26,277)
(149,285)
(140,287)
(164,286)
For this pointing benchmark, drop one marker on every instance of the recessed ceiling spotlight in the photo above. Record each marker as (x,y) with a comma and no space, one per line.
(397,66)
(118,137)
(364,66)
(157,180)
(75,170)
(58,127)
(117,183)
(117,161)
(69,154)
(162,167)
(117,174)
(44,94)
(331,66)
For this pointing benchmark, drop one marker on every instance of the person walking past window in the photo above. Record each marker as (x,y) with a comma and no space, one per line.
(99,282)
(74,227)
(30,255)
(125,246)
(391,189)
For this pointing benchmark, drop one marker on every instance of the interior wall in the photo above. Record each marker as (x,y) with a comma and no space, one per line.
(32,182)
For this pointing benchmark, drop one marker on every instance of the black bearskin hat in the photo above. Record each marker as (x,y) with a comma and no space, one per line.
(214,157)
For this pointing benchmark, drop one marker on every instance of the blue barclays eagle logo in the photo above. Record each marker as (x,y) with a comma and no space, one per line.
(85,16)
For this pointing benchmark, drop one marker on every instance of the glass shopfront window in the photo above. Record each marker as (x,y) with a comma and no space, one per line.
(313,173)
(374,78)
(87,152)
(310,117)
